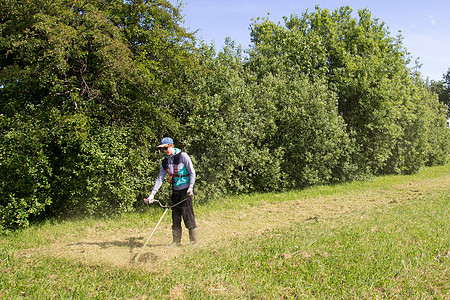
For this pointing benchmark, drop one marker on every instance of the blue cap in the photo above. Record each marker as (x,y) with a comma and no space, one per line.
(165,142)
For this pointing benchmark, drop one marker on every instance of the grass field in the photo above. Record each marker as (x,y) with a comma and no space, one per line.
(385,238)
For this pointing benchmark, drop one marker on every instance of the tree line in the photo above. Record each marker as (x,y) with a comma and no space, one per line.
(89,87)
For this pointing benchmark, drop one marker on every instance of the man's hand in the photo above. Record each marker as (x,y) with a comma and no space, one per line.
(190,191)
(150,199)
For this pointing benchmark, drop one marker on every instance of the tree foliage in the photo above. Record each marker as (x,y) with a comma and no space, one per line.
(442,89)
(88,87)
(378,96)
(230,128)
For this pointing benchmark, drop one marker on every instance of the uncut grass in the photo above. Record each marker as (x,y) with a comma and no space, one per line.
(397,251)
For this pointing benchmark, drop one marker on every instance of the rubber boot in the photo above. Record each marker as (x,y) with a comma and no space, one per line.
(193,236)
(176,234)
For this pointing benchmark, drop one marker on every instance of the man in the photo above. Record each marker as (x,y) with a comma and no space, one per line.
(179,166)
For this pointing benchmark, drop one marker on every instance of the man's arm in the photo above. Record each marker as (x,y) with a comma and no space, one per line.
(190,168)
(159,181)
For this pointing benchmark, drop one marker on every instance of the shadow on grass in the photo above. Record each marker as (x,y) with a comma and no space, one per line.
(134,244)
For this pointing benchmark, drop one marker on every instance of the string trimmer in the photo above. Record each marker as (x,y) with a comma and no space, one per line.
(157,224)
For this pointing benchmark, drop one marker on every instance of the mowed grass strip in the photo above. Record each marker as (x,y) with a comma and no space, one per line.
(398,250)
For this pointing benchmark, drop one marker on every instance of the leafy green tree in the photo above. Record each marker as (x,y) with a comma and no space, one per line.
(310,133)
(442,89)
(377,94)
(229,131)
(290,71)
(85,87)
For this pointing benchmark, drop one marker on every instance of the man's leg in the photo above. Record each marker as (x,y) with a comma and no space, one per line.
(189,221)
(176,222)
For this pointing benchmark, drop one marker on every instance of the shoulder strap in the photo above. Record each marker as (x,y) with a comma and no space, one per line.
(176,161)
(165,163)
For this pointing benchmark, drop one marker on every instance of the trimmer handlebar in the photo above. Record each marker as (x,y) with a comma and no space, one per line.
(168,206)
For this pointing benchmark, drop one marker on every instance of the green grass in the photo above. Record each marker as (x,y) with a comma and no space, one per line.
(398,250)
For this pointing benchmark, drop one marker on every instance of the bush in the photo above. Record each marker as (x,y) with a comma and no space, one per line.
(229,130)
(25,172)
(104,173)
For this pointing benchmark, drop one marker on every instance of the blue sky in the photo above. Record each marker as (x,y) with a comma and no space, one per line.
(425,25)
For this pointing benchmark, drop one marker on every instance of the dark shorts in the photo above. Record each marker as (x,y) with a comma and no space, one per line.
(183,211)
